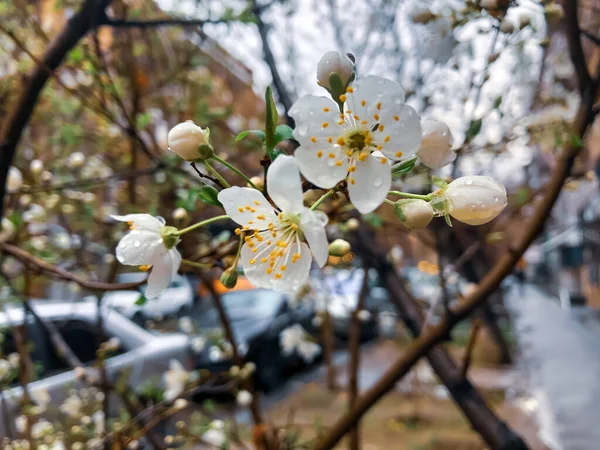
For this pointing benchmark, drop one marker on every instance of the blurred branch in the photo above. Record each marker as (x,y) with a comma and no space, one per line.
(157,23)
(19,114)
(56,272)
(282,92)
(595,39)
(475,327)
(574,40)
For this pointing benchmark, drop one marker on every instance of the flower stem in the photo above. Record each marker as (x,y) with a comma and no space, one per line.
(239,251)
(200,224)
(234,169)
(323,197)
(389,202)
(408,195)
(217,175)
(195,264)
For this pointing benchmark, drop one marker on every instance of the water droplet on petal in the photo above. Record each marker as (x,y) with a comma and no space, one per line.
(377,182)
(469,182)
(303,129)
(311,112)
(161,220)
(137,244)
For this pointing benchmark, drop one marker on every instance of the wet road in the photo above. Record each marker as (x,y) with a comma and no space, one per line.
(561,354)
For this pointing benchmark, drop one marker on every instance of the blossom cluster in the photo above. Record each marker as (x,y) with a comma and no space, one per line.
(353,143)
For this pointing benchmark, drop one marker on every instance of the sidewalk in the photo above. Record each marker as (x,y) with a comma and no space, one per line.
(561,355)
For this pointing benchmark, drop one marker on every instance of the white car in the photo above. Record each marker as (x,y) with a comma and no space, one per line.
(144,354)
(178,299)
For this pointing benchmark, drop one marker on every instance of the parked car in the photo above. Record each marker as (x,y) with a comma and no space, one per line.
(340,292)
(257,317)
(145,355)
(177,299)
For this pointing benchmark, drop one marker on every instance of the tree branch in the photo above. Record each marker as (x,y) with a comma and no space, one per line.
(38,264)
(574,40)
(157,23)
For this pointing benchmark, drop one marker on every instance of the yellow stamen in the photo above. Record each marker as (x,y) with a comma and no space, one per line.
(349,90)
(319,154)
(387,139)
(376,116)
(364,122)
(269,270)
(343,98)
(363,103)
(331,155)
(282,268)
(351,180)
(399,154)
(330,139)
(338,163)
(145,268)
(278,276)
(313,139)
(256,202)
(378,106)
(325,124)
(325,109)
(380,128)
(383,160)
(362,156)
(351,169)
(340,141)
(253,261)
(238,231)
(240,209)
(396,118)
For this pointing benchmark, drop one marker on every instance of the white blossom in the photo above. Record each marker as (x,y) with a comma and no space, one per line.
(274,255)
(8,230)
(36,166)
(334,62)
(41,397)
(21,424)
(41,428)
(244,398)
(436,144)
(215,437)
(475,200)
(180,214)
(296,339)
(174,380)
(364,315)
(186,138)
(146,245)
(186,324)
(14,180)
(335,146)
(198,343)
(98,419)
(76,160)
(72,406)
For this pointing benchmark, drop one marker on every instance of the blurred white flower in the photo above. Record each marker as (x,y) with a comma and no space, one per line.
(13,359)
(334,62)
(76,160)
(364,315)
(8,230)
(113,344)
(274,257)
(148,246)
(215,435)
(36,167)
(198,344)
(41,428)
(215,354)
(34,213)
(40,397)
(186,324)
(98,419)
(21,424)
(62,241)
(186,138)
(436,144)
(14,180)
(415,214)
(475,200)
(336,146)
(296,339)
(72,406)
(244,398)
(180,403)
(174,380)
(38,242)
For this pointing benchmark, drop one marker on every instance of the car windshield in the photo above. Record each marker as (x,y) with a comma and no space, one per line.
(136,277)
(253,302)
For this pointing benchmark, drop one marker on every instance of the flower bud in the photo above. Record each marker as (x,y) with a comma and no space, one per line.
(229,278)
(36,167)
(14,180)
(180,214)
(339,247)
(436,144)
(553,12)
(190,141)
(47,176)
(76,160)
(422,15)
(414,213)
(334,63)
(353,224)
(475,200)
(258,182)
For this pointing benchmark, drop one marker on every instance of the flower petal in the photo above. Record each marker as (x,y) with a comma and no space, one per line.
(372,182)
(142,221)
(475,200)
(139,247)
(284,185)
(322,171)
(399,131)
(371,95)
(247,206)
(313,227)
(296,274)
(163,269)
(436,145)
(316,117)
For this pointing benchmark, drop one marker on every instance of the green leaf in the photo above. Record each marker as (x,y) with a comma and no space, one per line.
(522,196)
(282,133)
(474,129)
(258,133)
(576,141)
(141,300)
(142,121)
(208,194)
(404,167)
(76,55)
(498,102)
(271,119)
(399,212)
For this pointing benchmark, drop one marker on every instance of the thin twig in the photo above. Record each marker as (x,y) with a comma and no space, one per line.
(475,327)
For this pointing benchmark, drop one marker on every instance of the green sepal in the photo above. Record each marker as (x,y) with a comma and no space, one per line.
(270,119)
(282,133)
(403,167)
(437,181)
(447,219)
(258,133)
(141,300)
(209,195)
